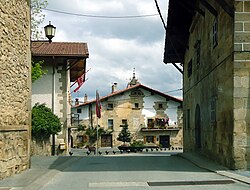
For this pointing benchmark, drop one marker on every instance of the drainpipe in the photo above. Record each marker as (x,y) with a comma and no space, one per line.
(53,105)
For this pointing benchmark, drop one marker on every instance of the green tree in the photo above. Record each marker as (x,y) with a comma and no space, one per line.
(44,122)
(124,135)
(37,70)
(81,127)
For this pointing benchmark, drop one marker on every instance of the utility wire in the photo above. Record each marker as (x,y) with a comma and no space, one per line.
(100,16)
(165,27)
(159,12)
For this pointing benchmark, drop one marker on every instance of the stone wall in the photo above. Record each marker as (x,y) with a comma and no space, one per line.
(241,144)
(15,65)
(41,147)
(208,90)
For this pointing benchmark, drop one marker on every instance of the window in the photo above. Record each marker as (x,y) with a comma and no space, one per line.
(190,68)
(215,33)
(80,138)
(198,52)
(136,105)
(124,122)
(79,110)
(110,106)
(160,122)
(150,139)
(110,124)
(160,106)
(213,110)
(150,123)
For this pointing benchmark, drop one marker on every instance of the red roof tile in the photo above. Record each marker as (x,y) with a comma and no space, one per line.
(132,87)
(68,49)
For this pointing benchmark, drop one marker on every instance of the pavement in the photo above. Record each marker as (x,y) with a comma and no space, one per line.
(45,168)
(203,162)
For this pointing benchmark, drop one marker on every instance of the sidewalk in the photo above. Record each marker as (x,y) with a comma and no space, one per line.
(42,169)
(203,162)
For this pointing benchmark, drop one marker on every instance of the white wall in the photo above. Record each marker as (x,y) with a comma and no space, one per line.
(84,112)
(149,111)
(42,90)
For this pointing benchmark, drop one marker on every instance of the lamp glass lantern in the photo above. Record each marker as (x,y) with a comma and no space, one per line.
(50,31)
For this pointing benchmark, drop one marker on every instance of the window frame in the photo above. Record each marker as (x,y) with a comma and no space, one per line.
(112,125)
(215,32)
(110,106)
(124,122)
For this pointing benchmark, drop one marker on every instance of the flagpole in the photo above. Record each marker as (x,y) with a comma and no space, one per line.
(97,137)
(98,115)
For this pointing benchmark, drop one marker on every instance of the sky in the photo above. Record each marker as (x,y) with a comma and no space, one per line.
(116,46)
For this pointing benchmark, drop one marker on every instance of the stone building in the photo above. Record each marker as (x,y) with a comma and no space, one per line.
(143,109)
(211,39)
(15,79)
(64,62)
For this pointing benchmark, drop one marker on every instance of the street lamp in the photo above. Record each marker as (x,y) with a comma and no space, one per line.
(50,31)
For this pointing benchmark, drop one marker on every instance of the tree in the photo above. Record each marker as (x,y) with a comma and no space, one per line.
(44,122)
(92,133)
(37,71)
(37,18)
(124,135)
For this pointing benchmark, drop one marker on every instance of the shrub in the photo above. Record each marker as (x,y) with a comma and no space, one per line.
(44,122)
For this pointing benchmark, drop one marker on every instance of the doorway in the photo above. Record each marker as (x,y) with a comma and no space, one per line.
(165,141)
(106,141)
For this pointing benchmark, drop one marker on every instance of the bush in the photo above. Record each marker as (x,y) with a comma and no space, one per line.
(44,122)
(137,144)
(92,133)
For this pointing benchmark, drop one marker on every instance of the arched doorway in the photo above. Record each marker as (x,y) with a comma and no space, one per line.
(198,127)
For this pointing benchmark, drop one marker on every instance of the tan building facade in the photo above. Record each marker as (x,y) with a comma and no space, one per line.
(215,57)
(144,110)
(65,62)
(15,79)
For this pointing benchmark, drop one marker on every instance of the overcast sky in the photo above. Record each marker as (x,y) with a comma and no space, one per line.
(116,46)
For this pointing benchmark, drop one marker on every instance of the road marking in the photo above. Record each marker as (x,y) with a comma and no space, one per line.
(118,184)
(207,182)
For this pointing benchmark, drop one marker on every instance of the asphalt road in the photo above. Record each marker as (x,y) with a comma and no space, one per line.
(155,170)
(136,172)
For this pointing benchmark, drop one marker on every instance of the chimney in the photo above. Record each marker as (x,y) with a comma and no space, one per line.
(114,87)
(77,102)
(85,98)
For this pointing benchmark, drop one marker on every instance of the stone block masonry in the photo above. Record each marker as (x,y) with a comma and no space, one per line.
(241,85)
(15,88)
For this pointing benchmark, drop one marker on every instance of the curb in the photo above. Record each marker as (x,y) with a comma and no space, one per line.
(223,172)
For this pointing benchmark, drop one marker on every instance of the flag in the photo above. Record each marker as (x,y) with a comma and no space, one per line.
(98,105)
(80,82)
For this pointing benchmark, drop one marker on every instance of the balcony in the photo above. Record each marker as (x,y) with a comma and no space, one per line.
(75,119)
(161,128)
